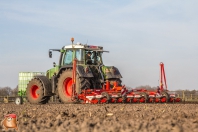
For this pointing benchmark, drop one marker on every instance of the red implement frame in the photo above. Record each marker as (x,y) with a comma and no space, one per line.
(162,77)
(119,94)
(73,97)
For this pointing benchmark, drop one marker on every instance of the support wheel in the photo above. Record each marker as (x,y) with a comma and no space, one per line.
(145,96)
(19,100)
(165,97)
(105,98)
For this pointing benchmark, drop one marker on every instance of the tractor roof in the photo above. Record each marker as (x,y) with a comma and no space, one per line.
(84,46)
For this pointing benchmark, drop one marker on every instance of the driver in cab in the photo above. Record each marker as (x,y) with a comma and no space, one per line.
(88,58)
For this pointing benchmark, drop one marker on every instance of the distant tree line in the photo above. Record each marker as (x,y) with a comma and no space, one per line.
(7,91)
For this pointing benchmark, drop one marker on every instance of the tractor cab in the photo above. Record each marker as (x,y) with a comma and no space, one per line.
(87,56)
(81,53)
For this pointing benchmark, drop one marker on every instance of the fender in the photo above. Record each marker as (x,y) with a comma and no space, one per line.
(63,68)
(111,72)
(83,72)
(80,70)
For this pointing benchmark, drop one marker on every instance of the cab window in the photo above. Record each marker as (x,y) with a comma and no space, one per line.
(80,56)
(68,57)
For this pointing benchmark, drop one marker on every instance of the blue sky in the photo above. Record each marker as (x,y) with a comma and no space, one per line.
(138,34)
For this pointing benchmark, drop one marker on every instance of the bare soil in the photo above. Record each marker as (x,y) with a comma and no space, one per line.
(104,117)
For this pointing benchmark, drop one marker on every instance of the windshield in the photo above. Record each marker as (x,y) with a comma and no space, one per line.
(68,57)
(87,57)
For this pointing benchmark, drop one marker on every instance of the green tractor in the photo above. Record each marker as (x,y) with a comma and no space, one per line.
(90,74)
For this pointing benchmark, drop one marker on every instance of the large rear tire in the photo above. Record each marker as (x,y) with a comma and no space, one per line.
(35,92)
(64,86)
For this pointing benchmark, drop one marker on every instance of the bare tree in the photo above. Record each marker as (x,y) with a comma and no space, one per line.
(5,91)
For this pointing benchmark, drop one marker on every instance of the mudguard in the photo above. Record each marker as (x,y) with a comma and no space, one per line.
(46,84)
(111,72)
(63,68)
(82,72)
(53,83)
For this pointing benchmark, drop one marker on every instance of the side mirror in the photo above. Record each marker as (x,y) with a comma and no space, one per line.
(50,54)
(54,64)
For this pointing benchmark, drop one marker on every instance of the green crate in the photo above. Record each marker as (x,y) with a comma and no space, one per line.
(24,78)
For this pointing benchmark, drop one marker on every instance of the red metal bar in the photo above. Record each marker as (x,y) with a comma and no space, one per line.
(162,77)
(115,83)
(161,81)
(74,79)
(107,85)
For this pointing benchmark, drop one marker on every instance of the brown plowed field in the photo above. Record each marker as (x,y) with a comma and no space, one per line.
(104,117)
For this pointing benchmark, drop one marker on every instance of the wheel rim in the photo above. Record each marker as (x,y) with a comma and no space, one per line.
(67,87)
(34,91)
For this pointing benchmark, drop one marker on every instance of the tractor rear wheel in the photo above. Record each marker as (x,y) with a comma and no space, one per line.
(35,92)
(64,86)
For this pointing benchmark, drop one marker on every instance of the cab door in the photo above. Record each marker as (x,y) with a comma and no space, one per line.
(68,57)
